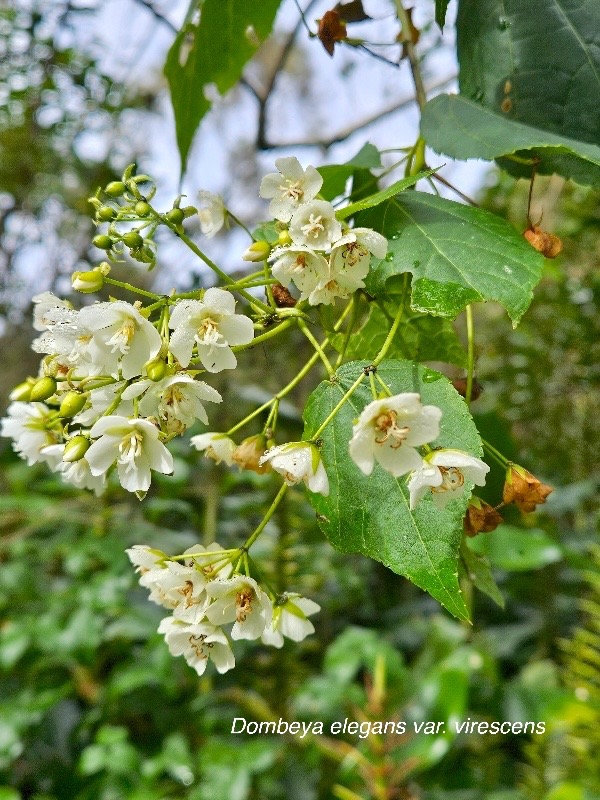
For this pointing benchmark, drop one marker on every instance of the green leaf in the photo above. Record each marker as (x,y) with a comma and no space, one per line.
(457,255)
(517,549)
(214,51)
(460,128)
(479,572)
(420,337)
(371,515)
(335,176)
(385,194)
(441,7)
(266,231)
(539,58)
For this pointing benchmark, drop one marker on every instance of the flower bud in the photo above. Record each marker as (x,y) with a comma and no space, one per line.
(524,489)
(76,448)
(175,215)
(87,282)
(132,239)
(284,238)
(22,392)
(106,213)
(142,209)
(115,188)
(103,268)
(257,251)
(156,369)
(480,517)
(189,211)
(42,389)
(102,241)
(72,403)
(247,454)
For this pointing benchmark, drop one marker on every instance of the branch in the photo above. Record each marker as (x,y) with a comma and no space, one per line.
(346,133)
(157,15)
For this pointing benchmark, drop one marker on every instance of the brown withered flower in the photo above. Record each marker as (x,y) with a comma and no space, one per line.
(547,244)
(331,30)
(481,517)
(524,489)
(282,296)
(247,454)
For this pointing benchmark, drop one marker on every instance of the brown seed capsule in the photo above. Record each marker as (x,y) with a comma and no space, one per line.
(247,454)
(282,296)
(547,244)
(460,384)
(481,517)
(524,489)
(331,30)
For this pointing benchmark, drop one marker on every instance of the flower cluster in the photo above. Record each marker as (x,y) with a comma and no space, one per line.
(321,259)
(115,386)
(390,431)
(204,594)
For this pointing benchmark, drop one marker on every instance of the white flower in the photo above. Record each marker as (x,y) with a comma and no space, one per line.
(70,341)
(179,588)
(389,430)
(314,225)
(144,557)
(100,400)
(239,600)
(299,461)
(134,445)
(43,303)
(445,472)
(300,265)
(348,265)
(198,643)
(176,399)
(77,473)
(213,325)
(128,339)
(289,187)
(218,446)
(290,619)
(30,425)
(208,563)
(211,213)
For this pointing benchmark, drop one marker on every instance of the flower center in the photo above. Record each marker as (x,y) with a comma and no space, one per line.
(292,190)
(387,424)
(353,253)
(120,340)
(208,333)
(452,479)
(300,263)
(243,603)
(130,449)
(314,227)
(197,645)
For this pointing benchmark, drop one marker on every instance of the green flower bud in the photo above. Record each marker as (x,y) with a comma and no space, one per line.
(72,403)
(87,282)
(189,211)
(76,448)
(115,188)
(142,209)
(22,392)
(106,213)
(132,239)
(257,251)
(176,216)
(42,389)
(156,369)
(102,241)
(284,238)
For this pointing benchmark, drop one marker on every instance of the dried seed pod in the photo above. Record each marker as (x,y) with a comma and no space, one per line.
(282,296)
(547,244)
(460,384)
(481,517)
(524,489)
(331,30)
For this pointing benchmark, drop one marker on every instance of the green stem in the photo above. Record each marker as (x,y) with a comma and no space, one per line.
(470,353)
(272,508)
(392,331)
(354,309)
(130,288)
(502,460)
(304,328)
(264,336)
(331,416)
(240,223)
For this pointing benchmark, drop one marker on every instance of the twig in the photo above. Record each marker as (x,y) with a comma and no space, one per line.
(436,176)
(411,52)
(157,15)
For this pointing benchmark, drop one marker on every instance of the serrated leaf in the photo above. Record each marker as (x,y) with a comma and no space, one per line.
(462,129)
(441,7)
(420,337)
(457,255)
(538,62)
(385,194)
(479,572)
(335,176)
(371,515)
(214,51)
